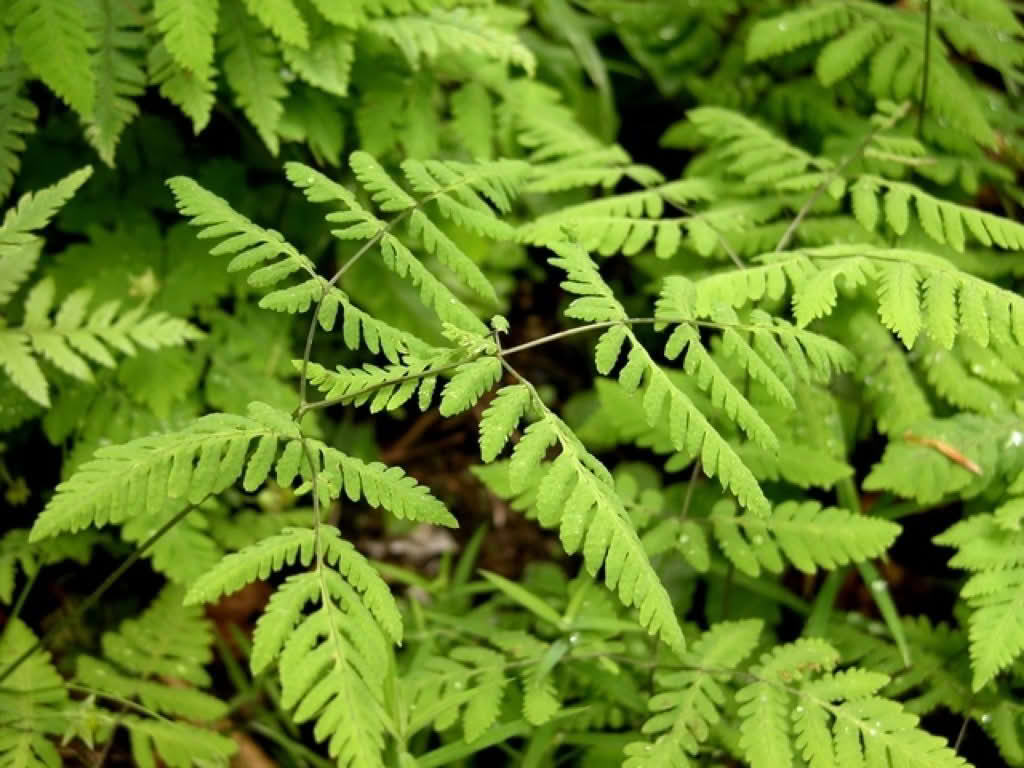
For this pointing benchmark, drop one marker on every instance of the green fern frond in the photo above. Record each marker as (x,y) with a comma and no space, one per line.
(209,456)
(688,701)
(789,31)
(838,716)
(165,640)
(383,388)
(332,664)
(188,28)
(363,225)
(191,92)
(118,73)
(283,19)
(454,31)
(34,210)
(473,120)
(253,71)
(959,455)
(916,291)
(943,221)
(251,246)
(628,222)
(804,533)
(74,332)
(291,546)
(757,155)
(326,63)
(177,744)
(575,493)
(32,704)
(501,417)
(989,547)
(690,429)
(468,385)
(17,120)
(64,67)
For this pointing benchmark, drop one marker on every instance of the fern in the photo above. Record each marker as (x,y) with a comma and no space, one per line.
(252,71)
(575,494)
(989,546)
(953,301)
(452,31)
(211,455)
(67,71)
(188,29)
(17,116)
(32,704)
(119,76)
(688,701)
(837,717)
(803,534)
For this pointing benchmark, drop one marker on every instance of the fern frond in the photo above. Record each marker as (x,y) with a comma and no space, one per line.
(450,32)
(789,31)
(177,744)
(32,703)
(16,553)
(687,703)
(291,546)
(33,211)
(628,222)
(73,333)
(989,547)
(757,155)
(838,716)
(326,63)
(17,120)
(164,640)
(575,493)
(252,245)
(209,456)
(383,388)
(283,19)
(118,72)
(191,92)
(959,454)
(500,418)
(253,71)
(54,40)
(943,221)
(363,225)
(188,27)
(953,301)
(806,534)
(690,429)
(332,664)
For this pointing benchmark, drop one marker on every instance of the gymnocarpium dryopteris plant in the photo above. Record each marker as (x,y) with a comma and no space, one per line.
(813,282)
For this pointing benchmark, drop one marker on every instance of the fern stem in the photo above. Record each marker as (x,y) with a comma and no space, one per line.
(20,603)
(926,75)
(97,593)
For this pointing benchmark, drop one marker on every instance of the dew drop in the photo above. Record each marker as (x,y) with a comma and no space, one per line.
(667,32)
(986,718)
(574,638)
(878,585)
(758,540)
(872,732)
(458,685)
(1016,439)
(683,539)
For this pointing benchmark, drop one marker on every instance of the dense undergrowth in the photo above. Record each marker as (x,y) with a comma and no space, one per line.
(431,383)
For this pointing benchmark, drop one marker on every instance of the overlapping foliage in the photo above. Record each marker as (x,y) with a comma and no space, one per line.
(729,393)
